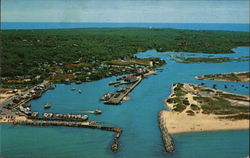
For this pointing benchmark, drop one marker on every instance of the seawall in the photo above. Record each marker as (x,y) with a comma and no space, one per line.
(166,137)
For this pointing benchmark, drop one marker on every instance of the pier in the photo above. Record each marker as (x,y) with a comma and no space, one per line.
(118,97)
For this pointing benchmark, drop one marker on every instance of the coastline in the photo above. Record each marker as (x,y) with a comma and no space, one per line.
(180,122)
(243,80)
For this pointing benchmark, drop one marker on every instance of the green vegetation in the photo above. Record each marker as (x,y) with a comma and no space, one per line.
(178,91)
(208,101)
(233,97)
(237,77)
(180,103)
(237,116)
(190,113)
(179,107)
(219,106)
(181,59)
(207,90)
(195,107)
(29,52)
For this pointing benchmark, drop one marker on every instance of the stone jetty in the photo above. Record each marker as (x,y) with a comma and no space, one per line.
(91,124)
(166,137)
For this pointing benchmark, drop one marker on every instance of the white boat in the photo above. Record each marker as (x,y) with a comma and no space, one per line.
(97,111)
(47,105)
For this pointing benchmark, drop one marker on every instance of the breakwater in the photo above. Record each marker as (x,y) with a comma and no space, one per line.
(117,130)
(166,137)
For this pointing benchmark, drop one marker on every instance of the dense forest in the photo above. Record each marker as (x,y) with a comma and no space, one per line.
(24,52)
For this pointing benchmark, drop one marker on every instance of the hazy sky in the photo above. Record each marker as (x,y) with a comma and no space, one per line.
(163,11)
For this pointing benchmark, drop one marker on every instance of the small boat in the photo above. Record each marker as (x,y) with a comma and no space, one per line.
(114,83)
(97,111)
(79,91)
(121,90)
(73,89)
(106,96)
(47,105)
(78,82)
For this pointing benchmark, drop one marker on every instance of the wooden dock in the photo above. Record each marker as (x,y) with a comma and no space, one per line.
(117,98)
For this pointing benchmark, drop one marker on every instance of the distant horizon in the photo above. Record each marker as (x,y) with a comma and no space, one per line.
(126,11)
(84,25)
(130,22)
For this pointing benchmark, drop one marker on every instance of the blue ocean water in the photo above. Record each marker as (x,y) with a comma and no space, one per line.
(141,137)
(192,26)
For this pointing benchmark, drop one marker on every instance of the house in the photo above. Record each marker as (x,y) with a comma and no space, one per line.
(37,77)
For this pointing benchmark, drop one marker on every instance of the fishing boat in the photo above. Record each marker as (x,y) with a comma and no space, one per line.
(47,105)
(106,96)
(97,111)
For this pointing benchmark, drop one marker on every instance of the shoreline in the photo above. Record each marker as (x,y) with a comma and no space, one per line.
(180,122)
(217,78)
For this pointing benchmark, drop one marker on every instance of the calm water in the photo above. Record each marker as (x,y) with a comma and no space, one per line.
(138,116)
(192,26)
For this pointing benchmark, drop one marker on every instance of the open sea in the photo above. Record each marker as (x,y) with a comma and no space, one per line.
(141,137)
(191,26)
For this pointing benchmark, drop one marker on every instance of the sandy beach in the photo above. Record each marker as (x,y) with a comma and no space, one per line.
(6,119)
(180,122)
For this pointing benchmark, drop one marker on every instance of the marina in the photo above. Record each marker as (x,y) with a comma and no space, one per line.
(118,97)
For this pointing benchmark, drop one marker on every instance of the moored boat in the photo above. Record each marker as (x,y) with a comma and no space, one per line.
(97,111)
(106,96)
(47,105)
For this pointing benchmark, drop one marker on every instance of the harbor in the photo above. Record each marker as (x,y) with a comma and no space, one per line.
(17,111)
(145,103)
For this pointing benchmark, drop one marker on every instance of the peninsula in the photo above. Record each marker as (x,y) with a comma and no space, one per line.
(195,108)
(234,77)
